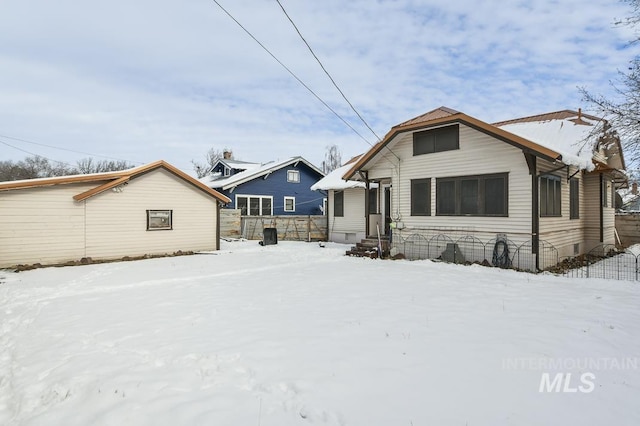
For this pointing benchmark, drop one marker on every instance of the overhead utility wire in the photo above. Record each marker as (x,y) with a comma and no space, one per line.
(326,72)
(331,78)
(63,149)
(290,72)
(31,153)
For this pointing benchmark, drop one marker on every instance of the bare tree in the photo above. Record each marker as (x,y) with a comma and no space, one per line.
(89,165)
(623,112)
(34,167)
(332,159)
(213,155)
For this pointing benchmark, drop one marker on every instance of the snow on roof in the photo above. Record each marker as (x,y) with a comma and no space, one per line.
(243,165)
(252,173)
(569,136)
(334,180)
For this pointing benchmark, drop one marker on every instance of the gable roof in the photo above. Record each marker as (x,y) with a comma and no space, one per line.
(247,175)
(113,179)
(443,116)
(235,164)
(572,133)
(566,136)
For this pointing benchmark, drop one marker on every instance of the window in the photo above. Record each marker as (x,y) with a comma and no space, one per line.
(289,204)
(484,195)
(293,176)
(159,219)
(436,140)
(550,196)
(227,171)
(254,205)
(604,193)
(420,197)
(338,204)
(373,201)
(574,198)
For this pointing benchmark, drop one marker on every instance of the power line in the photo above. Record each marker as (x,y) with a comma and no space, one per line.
(327,72)
(32,153)
(290,72)
(61,149)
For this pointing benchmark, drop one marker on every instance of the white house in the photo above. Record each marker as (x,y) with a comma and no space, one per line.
(151,209)
(547,180)
(349,205)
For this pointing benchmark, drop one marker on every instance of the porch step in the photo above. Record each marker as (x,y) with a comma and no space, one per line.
(368,247)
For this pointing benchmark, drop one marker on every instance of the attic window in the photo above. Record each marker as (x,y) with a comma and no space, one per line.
(227,171)
(293,176)
(159,220)
(436,140)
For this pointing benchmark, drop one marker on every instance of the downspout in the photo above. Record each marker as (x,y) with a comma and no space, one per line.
(602,195)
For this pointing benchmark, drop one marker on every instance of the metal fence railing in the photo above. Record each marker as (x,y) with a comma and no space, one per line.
(603,261)
(467,249)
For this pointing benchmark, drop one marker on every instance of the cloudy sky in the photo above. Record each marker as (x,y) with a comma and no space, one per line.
(143,80)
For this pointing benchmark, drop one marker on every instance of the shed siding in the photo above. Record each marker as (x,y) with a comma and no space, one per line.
(117,221)
(351,227)
(478,154)
(42,225)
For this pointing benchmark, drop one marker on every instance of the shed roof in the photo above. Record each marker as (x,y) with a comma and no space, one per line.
(112,179)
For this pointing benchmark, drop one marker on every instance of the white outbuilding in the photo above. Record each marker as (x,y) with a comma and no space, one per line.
(153,209)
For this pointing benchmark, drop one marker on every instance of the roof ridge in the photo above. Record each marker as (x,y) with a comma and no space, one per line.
(549,115)
(447,110)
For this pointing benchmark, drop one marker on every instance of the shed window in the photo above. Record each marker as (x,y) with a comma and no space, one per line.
(483,195)
(338,204)
(436,140)
(550,196)
(293,176)
(421,197)
(159,220)
(289,204)
(574,198)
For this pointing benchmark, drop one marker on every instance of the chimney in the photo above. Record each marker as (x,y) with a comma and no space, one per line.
(634,188)
(226,154)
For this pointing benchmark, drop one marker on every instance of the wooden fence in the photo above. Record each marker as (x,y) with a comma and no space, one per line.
(628,227)
(290,228)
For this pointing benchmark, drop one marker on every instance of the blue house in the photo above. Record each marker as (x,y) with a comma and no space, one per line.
(275,188)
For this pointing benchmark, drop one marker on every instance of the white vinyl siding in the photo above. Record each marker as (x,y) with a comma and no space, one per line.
(353,221)
(45,225)
(116,221)
(42,225)
(479,153)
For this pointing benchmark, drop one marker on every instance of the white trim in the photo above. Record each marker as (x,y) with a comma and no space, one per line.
(260,197)
(295,174)
(294,204)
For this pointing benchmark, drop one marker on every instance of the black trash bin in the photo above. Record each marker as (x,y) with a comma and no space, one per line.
(270,236)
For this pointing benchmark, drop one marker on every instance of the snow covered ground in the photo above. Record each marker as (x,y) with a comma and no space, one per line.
(295,334)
